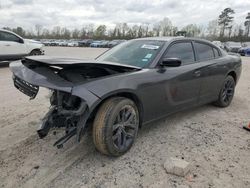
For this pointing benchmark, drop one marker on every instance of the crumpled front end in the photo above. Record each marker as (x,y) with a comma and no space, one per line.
(70,105)
(68,112)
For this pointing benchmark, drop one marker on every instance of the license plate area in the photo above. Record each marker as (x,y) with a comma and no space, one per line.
(26,87)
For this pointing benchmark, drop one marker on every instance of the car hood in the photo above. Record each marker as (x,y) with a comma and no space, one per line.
(64,74)
(32,41)
(62,61)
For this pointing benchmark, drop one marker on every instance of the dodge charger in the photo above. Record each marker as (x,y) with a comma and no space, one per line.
(128,86)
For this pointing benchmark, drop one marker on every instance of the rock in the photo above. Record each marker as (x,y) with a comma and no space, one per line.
(36,167)
(177,167)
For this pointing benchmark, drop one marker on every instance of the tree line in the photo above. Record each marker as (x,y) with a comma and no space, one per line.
(223,28)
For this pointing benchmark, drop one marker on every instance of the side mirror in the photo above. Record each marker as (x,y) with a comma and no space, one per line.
(170,62)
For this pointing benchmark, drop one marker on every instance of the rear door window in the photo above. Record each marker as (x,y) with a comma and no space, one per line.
(203,51)
(216,53)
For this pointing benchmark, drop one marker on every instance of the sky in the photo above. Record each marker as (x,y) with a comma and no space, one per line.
(76,13)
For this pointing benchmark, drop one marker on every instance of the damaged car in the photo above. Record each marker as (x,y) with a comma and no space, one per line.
(128,86)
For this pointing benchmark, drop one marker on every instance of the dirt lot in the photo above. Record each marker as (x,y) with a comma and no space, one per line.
(211,138)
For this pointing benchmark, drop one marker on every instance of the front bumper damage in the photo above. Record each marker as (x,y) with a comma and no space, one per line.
(68,111)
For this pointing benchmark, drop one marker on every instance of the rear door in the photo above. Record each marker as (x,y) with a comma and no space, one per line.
(210,60)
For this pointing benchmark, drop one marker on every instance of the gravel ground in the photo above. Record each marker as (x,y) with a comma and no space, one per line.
(210,138)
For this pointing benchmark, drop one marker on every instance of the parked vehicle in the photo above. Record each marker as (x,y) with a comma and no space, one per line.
(46,42)
(232,46)
(73,43)
(245,50)
(85,43)
(62,43)
(219,44)
(14,47)
(128,86)
(53,43)
(113,43)
(104,44)
(96,43)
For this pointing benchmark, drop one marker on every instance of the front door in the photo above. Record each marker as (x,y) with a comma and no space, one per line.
(11,46)
(182,84)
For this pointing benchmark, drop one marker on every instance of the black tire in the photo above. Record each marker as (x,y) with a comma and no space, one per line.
(115,126)
(35,52)
(226,93)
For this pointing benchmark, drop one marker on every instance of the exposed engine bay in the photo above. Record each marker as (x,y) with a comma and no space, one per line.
(76,73)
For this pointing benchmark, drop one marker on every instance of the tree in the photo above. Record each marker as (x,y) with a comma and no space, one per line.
(46,33)
(83,33)
(20,31)
(230,31)
(56,32)
(166,27)
(100,31)
(157,29)
(192,30)
(75,34)
(65,33)
(247,24)
(174,30)
(225,19)
(140,32)
(90,30)
(38,29)
(124,29)
(213,28)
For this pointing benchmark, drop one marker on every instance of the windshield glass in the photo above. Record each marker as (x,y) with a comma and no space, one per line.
(138,53)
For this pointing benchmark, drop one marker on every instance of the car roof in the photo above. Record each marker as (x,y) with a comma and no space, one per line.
(159,38)
(173,38)
(4,30)
(7,31)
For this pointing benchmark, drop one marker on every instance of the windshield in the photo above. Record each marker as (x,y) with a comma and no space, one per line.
(138,53)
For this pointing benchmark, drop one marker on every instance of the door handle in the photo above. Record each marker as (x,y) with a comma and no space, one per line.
(7,44)
(197,73)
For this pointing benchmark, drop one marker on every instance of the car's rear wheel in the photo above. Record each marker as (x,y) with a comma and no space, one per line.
(226,93)
(115,126)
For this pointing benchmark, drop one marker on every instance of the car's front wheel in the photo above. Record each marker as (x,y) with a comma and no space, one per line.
(226,93)
(35,52)
(115,126)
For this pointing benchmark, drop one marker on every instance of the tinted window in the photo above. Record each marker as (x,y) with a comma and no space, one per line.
(204,52)
(183,51)
(4,36)
(216,53)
